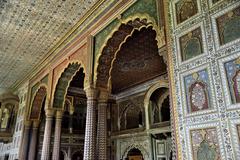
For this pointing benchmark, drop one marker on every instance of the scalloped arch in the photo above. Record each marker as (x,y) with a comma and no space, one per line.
(37,102)
(63,83)
(114,42)
(136,146)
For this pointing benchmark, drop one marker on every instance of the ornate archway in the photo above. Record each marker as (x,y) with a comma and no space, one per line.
(112,46)
(63,84)
(37,102)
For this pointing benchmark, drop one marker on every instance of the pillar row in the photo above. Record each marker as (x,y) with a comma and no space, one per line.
(90,131)
(47,134)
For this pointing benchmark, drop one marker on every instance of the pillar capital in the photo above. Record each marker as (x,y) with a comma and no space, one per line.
(49,112)
(28,124)
(103,95)
(59,114)
(91,93)
(36,124)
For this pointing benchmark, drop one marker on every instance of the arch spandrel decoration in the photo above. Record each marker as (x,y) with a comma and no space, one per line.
(37,102)
(63,83)
(114,42)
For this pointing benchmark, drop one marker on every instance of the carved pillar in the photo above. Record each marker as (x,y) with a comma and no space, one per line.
(102,126)
(57,136)
(25,141)
(47,134)
(33,142)
(90,131)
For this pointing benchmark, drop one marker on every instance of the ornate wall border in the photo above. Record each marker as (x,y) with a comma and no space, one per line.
(204,44)
(224,82)
(212,100)
(216,38)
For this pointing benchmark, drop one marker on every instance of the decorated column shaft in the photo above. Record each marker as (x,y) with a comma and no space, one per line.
(25,141)
(102,126)
(33,142)
(90,131)
(47,135)
(57,136)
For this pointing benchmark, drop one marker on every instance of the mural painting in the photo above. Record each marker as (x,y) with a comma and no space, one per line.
(191,44)
(228,26)
(205,144)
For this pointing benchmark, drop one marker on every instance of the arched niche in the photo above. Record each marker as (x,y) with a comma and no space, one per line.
(132,117)
(149,93)
(8,112)
(38,102)
(159,110)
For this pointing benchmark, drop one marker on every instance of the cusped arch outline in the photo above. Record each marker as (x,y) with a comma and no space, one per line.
(113,43)
(37,102)
(66,76)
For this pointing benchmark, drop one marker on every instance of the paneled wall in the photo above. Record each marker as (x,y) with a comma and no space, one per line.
(206,63)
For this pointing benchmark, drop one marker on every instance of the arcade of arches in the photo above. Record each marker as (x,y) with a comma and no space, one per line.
(136,80)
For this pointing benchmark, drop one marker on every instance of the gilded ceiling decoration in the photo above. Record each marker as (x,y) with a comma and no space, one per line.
(29,29)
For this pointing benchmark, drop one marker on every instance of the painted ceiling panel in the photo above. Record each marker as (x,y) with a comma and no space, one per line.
(29,29)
